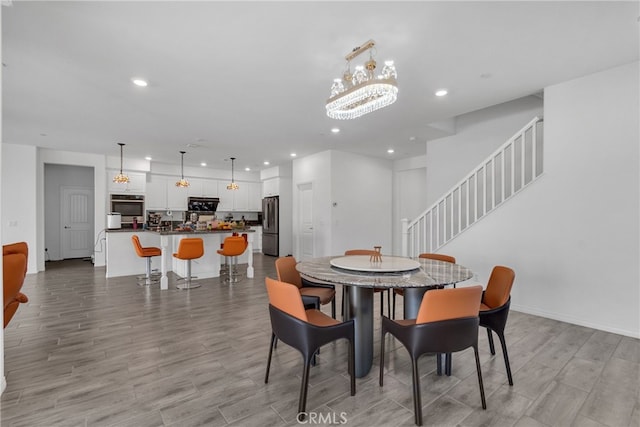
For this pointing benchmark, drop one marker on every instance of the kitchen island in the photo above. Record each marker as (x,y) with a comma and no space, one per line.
(122,259)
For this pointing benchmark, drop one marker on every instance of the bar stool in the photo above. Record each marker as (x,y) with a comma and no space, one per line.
(189,248)
(233,247)
(146,252)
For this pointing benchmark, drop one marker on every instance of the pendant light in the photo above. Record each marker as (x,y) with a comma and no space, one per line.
(233,185)
(183,182)
(121,178)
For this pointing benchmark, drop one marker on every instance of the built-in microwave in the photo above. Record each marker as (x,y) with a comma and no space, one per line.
(129,206)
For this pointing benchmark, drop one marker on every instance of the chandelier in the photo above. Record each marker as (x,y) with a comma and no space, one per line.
(182,182)
(121,178)
(362,92)
(233,185)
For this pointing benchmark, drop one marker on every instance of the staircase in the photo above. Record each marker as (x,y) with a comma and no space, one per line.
(507,171)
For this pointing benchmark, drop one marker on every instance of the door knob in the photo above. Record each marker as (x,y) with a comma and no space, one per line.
(66,226)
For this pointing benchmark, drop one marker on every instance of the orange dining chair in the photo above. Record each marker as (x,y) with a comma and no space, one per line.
(494,309)
(233,247)
(381,291)
(437,257)
(189,248)
(145,252)
(14,270)
(306,330)
(317,293)
(447,322)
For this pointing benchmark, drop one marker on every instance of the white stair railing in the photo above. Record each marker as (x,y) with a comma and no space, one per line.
(512,167)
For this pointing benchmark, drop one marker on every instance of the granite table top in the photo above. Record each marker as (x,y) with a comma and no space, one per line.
(430,273)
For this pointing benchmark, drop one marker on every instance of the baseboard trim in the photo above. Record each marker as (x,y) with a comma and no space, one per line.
(575,321)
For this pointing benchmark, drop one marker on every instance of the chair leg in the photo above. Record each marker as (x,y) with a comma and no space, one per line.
(333,307)
(382,303)
(491,347)
(394,305)
(506,357)
(302,403)
(448,362)
(380,378)
(352,366)
(389,303)
(484,403)
(271,347)
(439,364)
(417,398)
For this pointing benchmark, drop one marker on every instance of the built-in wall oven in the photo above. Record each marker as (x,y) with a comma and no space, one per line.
(129,206)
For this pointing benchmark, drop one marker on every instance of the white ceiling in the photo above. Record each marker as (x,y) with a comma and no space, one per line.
(250,79)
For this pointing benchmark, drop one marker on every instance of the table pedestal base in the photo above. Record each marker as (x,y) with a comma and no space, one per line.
(360,309)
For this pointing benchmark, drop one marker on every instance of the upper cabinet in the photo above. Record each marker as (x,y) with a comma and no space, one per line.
(162,194)
(245,198)
(201,187)
(136,184)
(271,187)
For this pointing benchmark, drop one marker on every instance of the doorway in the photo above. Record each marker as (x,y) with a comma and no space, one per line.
(305,213)
(69,212)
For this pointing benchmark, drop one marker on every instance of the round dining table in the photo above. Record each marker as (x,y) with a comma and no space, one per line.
(361,274)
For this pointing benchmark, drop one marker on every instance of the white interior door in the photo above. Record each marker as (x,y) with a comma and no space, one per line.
(77,222)
(305,208)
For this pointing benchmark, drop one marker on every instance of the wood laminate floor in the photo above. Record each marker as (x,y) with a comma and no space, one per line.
(90,351)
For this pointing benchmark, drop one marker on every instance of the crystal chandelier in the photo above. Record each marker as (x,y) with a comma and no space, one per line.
(182,182)
(121,178)
(233,185)
(362,92)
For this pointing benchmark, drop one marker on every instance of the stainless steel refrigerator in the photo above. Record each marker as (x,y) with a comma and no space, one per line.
(270,214)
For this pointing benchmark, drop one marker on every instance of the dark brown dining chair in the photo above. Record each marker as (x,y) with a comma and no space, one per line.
(494,309)
(381,291)
(317,293)
(437,257)
(447,322)
(306,330)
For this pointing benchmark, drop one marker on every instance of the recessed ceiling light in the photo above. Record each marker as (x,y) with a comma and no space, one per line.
(293,154)
(441,92)
(247,169)
(390,151)
(335,130)
(203,164)
(266,163)
(148,158)
(139,82)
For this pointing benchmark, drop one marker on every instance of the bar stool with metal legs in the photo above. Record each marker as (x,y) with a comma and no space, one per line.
(146,252)
(233,247)
(189,248)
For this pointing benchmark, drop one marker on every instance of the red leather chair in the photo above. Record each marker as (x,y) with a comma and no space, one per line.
(14,267)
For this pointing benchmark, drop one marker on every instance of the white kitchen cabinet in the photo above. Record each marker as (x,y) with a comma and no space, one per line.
(241,197)
(162,194)
(271,187)
(176,197)
(136,185)
(156,194)
(255,197)
(225,196)
(195,187)
(246,198)
(257,241)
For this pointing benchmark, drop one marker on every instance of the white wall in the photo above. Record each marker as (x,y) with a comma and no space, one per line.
(409,194)
(572,237)
(477,135)
(360,187)
(361,195)
(95,161)
(19,198)
(316,170)
(56,177)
